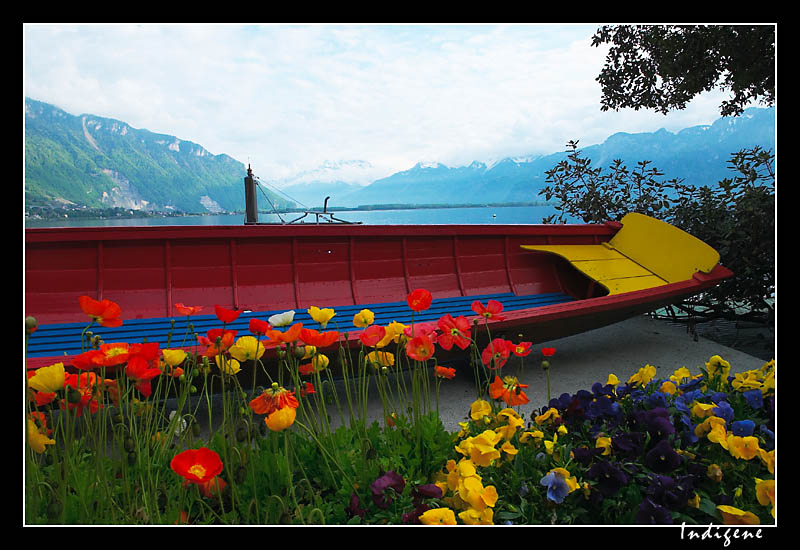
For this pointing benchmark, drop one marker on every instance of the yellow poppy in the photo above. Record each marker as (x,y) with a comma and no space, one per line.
(247,348)
(735,516)
(228,366)
(321,316)
(363,318)
(48,379)
(281,419)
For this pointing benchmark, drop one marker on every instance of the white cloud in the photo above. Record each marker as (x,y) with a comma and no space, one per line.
(286,98)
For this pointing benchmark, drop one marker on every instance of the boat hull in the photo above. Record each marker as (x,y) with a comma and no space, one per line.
(259,269)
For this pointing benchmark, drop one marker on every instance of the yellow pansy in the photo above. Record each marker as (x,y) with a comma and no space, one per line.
(603,443)
(363,318)
(479,409)
(768,459)
(717,366)
(703,410)
(536,435)
(321,316)
(549,416)
(48,379)
(668,387)
(735,516)
(681,376)
(612,380)
(643,376)
(743,447)
(765,493)
(471,516)
(438,516)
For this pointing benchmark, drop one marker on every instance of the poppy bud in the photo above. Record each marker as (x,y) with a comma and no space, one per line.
(131,458)
(299,352)
(129,444)
(30,324)
(241,474)
(196,429)
(73,396)
(545,364)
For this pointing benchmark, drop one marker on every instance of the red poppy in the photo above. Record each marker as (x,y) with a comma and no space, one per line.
(226,315)
(143,366)
(105,312)
(211,488)
(495,354)
(445,372)
(522,349)
(420,299)
(421,329)
(188,310)
(420,348)
(548,352)
(307,388)
(84,384)
(454,332)
(509,390)
(372,335)
(85,360)
(318,339)
(257,326)
(491,311)
(197,465)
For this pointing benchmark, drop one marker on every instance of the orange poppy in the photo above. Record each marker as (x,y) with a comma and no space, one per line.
(111,354)
(197,465)
(420,299)
(318,339)
(188,310)
(83,384)
(105,312)
(445,372)
(509,390)
(226,340)
(495,355)
(273,399)
(277,337)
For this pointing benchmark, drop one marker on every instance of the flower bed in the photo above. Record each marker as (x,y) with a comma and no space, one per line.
(694,448)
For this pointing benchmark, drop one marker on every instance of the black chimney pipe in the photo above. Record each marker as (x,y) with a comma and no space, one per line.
(251,206)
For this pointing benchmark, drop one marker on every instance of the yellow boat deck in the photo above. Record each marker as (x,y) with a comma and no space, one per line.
(645,253)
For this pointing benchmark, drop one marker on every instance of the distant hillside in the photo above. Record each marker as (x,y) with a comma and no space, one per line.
(698,155)
(97,162)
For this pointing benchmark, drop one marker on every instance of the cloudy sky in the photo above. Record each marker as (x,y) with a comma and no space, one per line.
(289,98)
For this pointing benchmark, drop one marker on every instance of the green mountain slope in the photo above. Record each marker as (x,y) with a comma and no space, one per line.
(99,162)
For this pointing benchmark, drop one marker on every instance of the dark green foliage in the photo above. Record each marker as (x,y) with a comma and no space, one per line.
(663,67)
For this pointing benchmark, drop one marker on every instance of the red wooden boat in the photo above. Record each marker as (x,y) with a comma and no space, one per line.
(553,280)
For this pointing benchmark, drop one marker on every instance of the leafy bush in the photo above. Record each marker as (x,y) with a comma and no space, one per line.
(736,218)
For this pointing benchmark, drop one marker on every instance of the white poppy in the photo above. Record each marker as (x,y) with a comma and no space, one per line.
(282,319)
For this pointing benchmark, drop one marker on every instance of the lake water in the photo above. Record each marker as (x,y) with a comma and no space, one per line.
(514,215)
